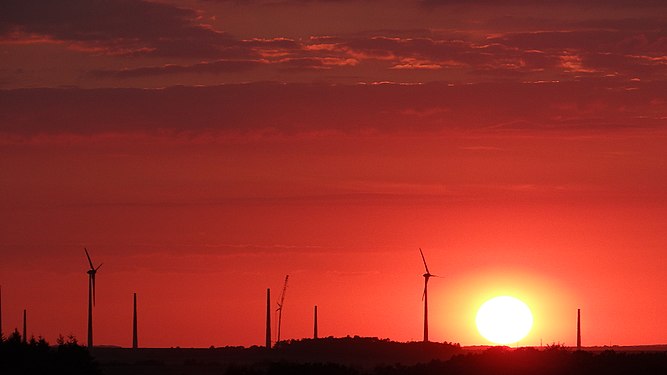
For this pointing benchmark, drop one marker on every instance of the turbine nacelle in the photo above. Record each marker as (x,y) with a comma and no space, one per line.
(91,274)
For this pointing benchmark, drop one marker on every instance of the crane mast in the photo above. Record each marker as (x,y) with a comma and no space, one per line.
(280,308)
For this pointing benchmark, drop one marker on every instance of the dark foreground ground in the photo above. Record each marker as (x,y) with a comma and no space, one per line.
(371,356)
(353,352)
(329,356)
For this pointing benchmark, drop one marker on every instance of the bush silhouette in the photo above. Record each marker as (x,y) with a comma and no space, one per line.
(36,357)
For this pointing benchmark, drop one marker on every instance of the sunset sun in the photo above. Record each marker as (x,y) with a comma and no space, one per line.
(504,320)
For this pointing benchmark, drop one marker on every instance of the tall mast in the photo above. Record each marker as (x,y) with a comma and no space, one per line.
(90,312)
(578,329)
(135,341)
(315,324)
(268,318)
(25,330)
(0,310)
(425,309)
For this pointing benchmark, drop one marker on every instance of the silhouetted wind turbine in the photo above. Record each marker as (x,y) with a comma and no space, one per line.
(91,296)
(427,275)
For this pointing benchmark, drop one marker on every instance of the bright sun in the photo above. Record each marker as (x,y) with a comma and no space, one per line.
(504,320)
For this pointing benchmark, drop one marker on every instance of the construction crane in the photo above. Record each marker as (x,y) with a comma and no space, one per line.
(279,310)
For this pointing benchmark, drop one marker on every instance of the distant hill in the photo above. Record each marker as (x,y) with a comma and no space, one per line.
(373,356)
(358,351)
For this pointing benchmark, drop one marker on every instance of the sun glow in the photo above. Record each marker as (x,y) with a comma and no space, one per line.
(504,320)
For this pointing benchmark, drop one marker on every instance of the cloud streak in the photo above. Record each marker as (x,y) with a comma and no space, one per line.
(130,27)
(214,67)
(306,108)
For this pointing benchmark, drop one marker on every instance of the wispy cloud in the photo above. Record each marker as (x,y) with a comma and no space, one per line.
(132,27)
(213,67)
(279,109)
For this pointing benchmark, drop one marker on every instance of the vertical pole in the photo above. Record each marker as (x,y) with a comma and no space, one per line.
(315,324)
(578,329)
(90,312)
(135,343)
(25,331)
(280,318)
(268,318)
(0,311)
(425,310)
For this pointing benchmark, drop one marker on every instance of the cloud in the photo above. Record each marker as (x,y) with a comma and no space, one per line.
(314,63)
(115,26)
(601,52)
(586,40)
(628,3)
(620,3)
(499,48)
(214,67)
(288,109)
(544,54)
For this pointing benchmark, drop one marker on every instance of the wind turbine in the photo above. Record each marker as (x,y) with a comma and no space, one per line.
(91,296)
(427,275)
(279,310)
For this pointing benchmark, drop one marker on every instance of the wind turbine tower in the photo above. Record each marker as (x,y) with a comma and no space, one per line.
(427,275)
(91,296)
(25,330)
(280,308)
(268,318)
(315,324)
(135,341)
(578,329)
(0,310)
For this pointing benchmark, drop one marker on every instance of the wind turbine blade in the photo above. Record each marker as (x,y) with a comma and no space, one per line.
(98,267)
(89,261)
(425,286)
(424,259)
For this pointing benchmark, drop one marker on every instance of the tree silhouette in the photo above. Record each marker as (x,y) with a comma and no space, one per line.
(36,356)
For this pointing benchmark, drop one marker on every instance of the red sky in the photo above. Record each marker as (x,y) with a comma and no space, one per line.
(204,149)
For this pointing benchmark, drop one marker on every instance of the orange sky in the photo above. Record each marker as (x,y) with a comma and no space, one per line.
(202,150)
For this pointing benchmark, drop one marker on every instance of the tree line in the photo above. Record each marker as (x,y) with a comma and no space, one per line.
(37,356)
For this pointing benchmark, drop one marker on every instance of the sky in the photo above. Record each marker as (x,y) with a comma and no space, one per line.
(204,149)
